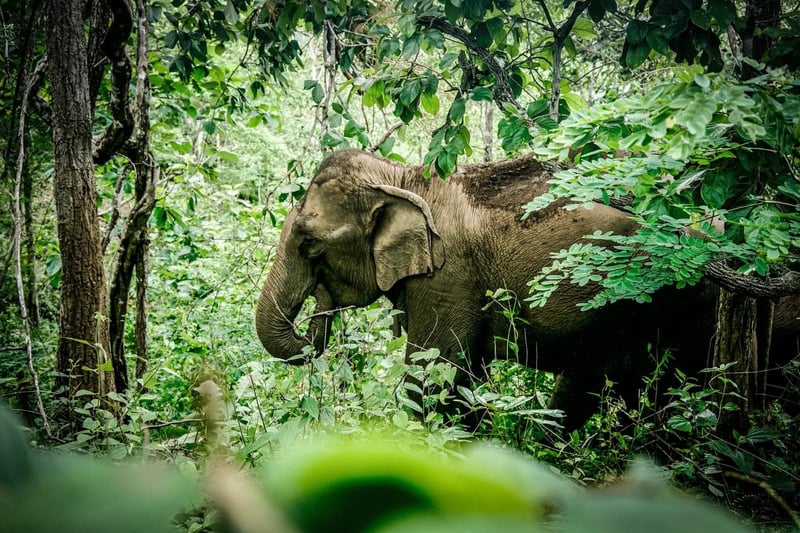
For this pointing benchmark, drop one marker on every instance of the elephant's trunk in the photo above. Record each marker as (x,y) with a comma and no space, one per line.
(282,297)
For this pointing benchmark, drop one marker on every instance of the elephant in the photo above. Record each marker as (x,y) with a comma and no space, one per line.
(368,226)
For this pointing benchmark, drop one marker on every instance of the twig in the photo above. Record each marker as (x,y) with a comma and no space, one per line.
(393,128)
(174,423)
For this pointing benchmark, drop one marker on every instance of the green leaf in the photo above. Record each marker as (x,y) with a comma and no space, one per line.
(697,115)
(332,139)
(724,11)
(636,32)
(311,406)
(715,190)
(409,93)
(596,10)
(374,93)
(702,81)
(411,46)
(430,103)
(351,129)
(537,108)
(584,29)
(317,93)
(480,33)
(700,18)
(496,27)
(482,94)
(658,41)
(171,39)
(457,110)
(636,54)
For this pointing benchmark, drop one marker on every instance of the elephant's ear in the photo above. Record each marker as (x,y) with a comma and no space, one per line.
(405,241)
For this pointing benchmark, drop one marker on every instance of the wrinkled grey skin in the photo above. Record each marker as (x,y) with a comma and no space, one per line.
(369,227)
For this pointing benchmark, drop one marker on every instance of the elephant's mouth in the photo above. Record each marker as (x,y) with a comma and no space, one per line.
(343,292)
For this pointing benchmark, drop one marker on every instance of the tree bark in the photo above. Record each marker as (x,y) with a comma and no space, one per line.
(140,329)
(756,43)
(83,336)
(736,342)
(32,285)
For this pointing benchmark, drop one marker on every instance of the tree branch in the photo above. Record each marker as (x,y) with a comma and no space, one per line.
(37,103)
(502,87)
(133,242)
(393,128)
(731,280)
(113,47)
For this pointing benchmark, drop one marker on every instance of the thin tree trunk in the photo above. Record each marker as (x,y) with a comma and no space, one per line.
(765,312)
(17,245)
(555,88)
(81,358)
(32,286)
(140,330)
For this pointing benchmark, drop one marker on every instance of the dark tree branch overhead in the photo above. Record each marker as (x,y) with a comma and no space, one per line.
(502,87)
(37,103)
(113,46)
(728,278)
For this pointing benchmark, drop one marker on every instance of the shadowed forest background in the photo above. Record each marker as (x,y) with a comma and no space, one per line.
(152,151)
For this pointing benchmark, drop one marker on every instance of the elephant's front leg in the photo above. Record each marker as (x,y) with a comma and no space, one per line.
(576,394)
(455,331)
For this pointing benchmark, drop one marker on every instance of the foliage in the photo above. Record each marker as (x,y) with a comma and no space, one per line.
(242,113)
(710,166)
(379,483)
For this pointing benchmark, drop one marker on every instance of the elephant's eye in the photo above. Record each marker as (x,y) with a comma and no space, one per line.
(310,247)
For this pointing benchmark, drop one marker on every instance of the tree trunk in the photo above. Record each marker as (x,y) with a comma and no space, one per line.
(740,329)
(736,343)
(140,329)
(756,43)
(81,358)
(555,86)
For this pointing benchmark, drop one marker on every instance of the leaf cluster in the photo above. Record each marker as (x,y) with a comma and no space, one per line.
(708,168)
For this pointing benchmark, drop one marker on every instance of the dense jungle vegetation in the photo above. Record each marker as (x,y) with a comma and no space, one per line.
(153,149)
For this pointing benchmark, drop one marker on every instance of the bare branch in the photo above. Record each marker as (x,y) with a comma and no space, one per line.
(393,128)
(121,127)
(728,278)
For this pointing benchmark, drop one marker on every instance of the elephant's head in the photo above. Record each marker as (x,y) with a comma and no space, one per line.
(350,239)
